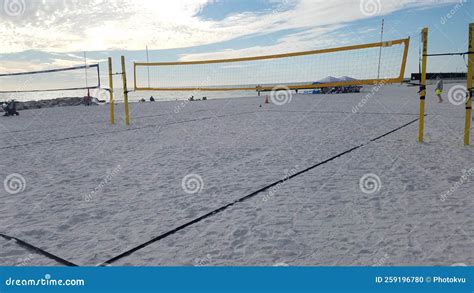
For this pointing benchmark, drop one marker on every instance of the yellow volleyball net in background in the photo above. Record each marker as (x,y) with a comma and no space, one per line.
(343,66)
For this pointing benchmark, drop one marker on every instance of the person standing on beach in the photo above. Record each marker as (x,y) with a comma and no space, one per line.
(439,89)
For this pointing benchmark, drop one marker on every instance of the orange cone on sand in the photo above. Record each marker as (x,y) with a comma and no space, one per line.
(266,100)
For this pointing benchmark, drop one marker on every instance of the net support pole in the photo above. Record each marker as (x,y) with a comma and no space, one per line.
(470,68)
(111,92)
(125,92)
(424,41)
(134,76)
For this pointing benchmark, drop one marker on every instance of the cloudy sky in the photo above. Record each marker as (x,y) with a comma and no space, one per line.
(43,34)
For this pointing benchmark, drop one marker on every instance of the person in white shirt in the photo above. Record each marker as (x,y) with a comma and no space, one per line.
(439,89)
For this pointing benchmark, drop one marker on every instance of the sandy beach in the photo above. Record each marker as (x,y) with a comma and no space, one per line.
(93,190)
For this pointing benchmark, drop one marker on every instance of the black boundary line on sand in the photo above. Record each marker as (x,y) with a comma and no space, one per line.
(86,123)
(165,114)
(39,250)
(122,130)
(92,122)
(218,210)
(336,112)
(178,122)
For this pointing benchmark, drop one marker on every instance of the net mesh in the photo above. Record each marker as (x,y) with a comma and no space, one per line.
(353,66)
(64,79)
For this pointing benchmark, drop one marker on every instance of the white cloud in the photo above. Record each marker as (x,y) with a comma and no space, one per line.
(316,21)
(99,25)
(308,40)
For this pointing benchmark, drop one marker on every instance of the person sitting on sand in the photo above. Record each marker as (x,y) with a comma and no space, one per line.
(10,109)
(152,99)
(439,89)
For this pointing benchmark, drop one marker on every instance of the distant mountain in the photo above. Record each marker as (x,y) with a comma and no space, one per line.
(328,80)
(347,78)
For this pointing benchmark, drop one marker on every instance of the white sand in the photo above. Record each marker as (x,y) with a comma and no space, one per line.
(318,218)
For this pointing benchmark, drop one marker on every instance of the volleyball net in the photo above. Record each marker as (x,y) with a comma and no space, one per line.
(62,79)
(343,66)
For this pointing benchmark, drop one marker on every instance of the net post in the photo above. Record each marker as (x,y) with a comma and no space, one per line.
(404,60)
(98,76)
(111,92)
(125,91)
(421,128)
(135,76)
(470,68)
